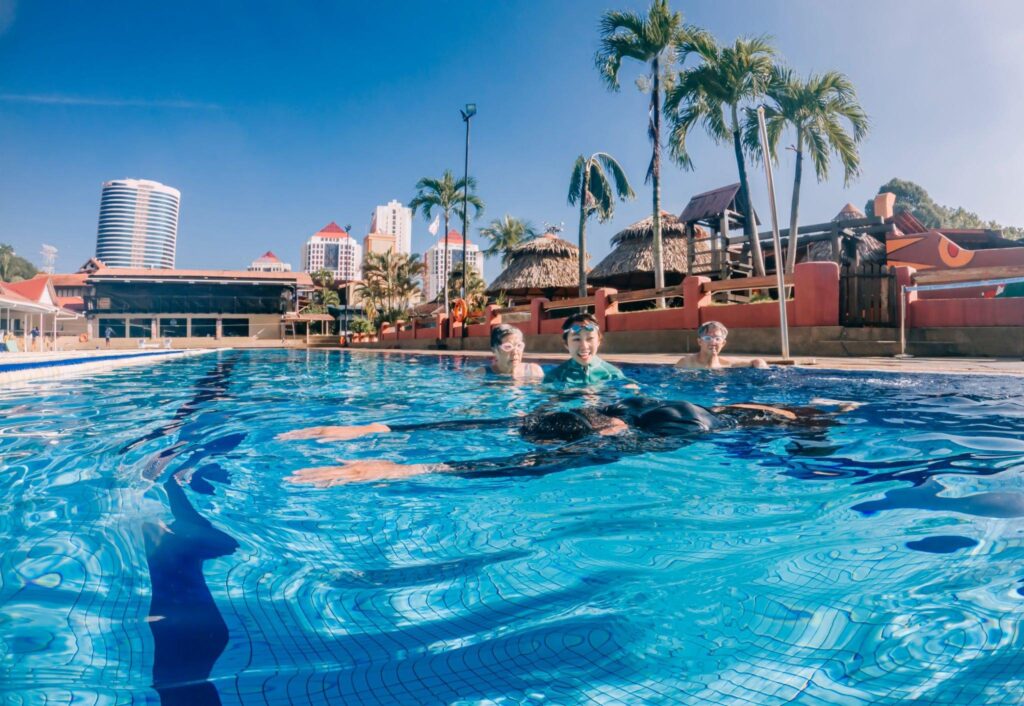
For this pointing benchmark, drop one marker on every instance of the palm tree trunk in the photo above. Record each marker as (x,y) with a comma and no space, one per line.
(584,190)
(795,207)
(749,226)
(659,267)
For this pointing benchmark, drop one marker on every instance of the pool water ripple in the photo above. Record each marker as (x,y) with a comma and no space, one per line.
(875,561)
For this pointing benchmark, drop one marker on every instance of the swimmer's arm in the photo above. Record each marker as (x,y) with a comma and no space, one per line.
(536,371)
(362,472)
(758,363)
(685,362)
(348,433)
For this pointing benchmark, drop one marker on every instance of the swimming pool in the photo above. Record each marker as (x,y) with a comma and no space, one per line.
(876,561)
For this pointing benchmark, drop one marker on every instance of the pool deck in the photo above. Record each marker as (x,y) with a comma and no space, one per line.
(28,366)
(955,366)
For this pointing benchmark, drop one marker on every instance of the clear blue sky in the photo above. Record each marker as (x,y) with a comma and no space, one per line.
(275,118)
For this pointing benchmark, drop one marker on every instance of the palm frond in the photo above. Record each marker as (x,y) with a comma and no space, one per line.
(622,188)
(576,181)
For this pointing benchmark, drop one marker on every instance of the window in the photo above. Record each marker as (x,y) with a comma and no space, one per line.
(235,327)
(115,326)
(140,328)
(204,328)
(172,328)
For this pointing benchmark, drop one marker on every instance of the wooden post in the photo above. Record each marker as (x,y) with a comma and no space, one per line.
(689,250)
(837,255)
(723,245)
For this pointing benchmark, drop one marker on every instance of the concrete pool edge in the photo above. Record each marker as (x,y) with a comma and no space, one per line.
(74,363)
(949,366)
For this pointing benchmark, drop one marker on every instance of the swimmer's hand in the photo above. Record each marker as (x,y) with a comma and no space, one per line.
(333,433)
(357,472)
(615,427)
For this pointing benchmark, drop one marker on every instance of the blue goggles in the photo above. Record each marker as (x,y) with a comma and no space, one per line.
(581,327)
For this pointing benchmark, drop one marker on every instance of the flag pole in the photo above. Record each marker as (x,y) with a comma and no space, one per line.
(776,239)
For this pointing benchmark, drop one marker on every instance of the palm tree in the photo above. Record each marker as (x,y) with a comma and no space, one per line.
(390,281)
(589,186)
(652,40)
(712,94)
(475,287)
(445,194)
(505,233)
(816,109)
(6,258)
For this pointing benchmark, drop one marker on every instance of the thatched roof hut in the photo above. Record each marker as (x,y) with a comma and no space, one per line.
(860,248)
(544,266)
(630,264)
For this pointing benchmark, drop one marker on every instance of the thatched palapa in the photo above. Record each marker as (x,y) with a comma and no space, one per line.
(545,266)
(856,249)
(630,265)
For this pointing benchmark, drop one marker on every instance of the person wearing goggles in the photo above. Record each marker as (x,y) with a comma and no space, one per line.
(711,338)
(508,347)
(582,338)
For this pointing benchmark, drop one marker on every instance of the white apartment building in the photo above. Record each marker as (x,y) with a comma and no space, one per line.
(434,258)
(332,249)
(395,219)
(269,262)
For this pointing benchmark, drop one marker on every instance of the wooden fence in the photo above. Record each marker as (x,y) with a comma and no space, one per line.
(868,296)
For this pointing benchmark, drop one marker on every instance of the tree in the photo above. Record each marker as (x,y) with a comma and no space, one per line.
(14,268)
(476,299)
(506,233)
(826,120)
(711,95)
(325,292)
(445,194)
(651,40)
(591,189)
(913,198)
(390,281)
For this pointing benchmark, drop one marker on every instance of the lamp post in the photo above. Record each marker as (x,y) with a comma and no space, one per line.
(468,112)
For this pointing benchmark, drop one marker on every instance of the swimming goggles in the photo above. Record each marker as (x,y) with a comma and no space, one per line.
(578,328)
(509,347)
(710,338)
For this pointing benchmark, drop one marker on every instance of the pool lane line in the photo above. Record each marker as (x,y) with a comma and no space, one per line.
(60,362)
(189,632)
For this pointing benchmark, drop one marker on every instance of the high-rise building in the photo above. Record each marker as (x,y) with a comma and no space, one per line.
(332,249)
(269,262)
(378,243)
(434,260)
(395,219)
(138,224)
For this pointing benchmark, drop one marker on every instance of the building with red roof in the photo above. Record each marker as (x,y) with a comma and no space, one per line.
(331,248)
(269,262)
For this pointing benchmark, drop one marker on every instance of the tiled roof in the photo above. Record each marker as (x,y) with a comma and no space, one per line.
(332,230)
(7,291)
(31,289)
(71,280)
(269,256)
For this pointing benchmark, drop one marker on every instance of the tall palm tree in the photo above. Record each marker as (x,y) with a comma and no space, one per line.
(651,40)
(712,94)
(591,189)
(826,120)
(445,194)
(506,233)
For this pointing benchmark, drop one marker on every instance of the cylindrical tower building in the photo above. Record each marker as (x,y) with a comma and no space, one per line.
(138,224)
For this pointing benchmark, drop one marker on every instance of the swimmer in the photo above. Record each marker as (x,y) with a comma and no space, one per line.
(711,338)
(588,436)
(507,345)
(581,336)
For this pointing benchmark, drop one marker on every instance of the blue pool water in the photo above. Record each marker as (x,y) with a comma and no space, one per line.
(151,550)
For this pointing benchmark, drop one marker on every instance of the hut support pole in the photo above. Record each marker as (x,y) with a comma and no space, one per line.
(723,244)
(689,250)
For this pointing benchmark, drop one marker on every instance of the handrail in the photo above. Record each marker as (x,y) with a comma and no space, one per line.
(512,309)
(645,294)
(569,303)
(729,285)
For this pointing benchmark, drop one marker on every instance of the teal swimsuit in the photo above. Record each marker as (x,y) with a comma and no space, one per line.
(572,373)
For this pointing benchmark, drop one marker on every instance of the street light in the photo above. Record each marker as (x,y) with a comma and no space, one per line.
(468,112)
